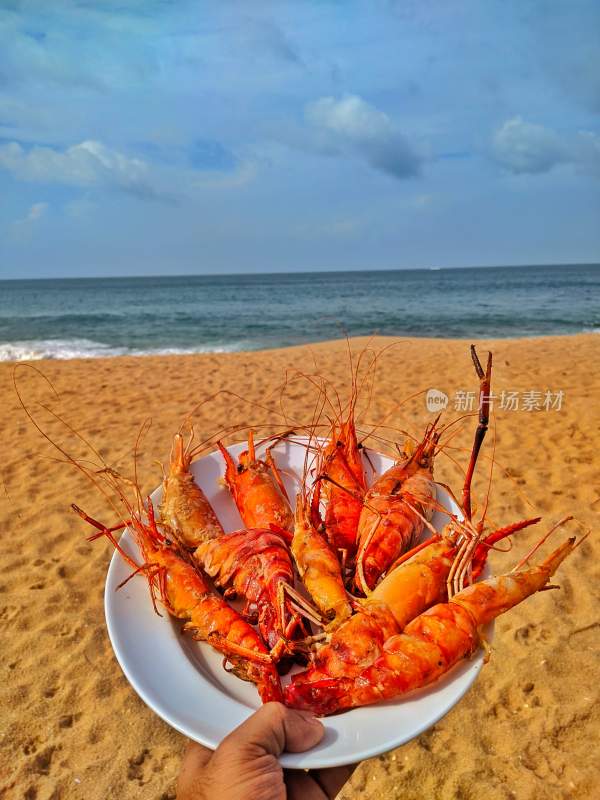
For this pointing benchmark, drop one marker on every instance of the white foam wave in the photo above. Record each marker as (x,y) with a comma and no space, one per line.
(62,349)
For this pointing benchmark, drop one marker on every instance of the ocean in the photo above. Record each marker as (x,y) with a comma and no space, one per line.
(75,318)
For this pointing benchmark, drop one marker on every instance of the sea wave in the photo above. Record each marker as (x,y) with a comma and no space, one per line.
(62,349)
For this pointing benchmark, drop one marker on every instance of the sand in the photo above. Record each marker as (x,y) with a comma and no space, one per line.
(73,728)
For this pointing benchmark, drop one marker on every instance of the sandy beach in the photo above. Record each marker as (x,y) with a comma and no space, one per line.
(71,726)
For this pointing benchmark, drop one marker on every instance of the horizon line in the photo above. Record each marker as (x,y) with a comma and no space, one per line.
(298,272)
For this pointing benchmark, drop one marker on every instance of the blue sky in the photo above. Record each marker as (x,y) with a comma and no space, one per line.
(157,137)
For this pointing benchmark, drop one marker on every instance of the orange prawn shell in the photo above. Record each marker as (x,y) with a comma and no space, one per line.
(184,506)
(392,516)
(418,583)
(343,442)
(253,563)
(319,568)
(258,498)
(355,644)
(342,463)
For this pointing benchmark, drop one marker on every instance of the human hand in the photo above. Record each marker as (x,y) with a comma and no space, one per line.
(245,764)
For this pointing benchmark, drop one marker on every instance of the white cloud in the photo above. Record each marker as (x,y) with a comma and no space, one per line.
(350,123)
(351,116)
(89,163)
(523,147)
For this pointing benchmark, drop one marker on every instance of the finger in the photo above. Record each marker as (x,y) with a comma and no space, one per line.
(332,780)
(194,760)
(300,786)
(275,728)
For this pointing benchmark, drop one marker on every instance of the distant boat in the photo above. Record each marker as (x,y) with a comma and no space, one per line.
(435,268)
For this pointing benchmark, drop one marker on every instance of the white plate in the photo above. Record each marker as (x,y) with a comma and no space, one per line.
(184,683)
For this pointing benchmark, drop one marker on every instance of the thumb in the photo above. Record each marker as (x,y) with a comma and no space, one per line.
(275,728)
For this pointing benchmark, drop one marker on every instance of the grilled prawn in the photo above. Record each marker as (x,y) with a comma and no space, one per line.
(256,564)
(257,489)
(342,483)
(395,511)
(319,567)
(185,508)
